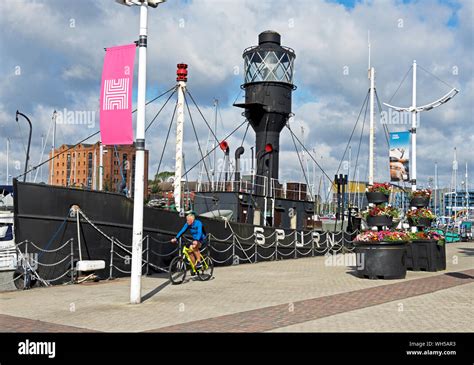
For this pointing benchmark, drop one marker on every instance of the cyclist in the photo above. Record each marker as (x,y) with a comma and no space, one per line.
(199,238)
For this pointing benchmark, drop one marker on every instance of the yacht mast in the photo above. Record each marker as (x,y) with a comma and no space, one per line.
(182,74)
(371,119)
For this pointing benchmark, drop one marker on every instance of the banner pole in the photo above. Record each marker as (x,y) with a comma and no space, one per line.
(137,249)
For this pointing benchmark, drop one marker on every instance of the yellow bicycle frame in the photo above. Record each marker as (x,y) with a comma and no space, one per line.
(186,252)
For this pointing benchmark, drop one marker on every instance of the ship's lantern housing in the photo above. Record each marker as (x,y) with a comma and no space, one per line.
(269,61)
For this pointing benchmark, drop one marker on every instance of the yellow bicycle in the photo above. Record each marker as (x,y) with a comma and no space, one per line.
(182,263)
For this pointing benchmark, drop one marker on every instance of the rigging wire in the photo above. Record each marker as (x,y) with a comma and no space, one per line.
(385,127)
(212,150)
(166,140)
(197,138)
(399,86)
(159,111)
(202,115)
(245,135)
(85,139)
(299,158)
(436,77)
(309,154)
(358,148)
(352,133)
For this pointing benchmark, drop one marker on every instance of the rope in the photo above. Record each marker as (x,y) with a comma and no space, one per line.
(163,255)
(59,277)
(216,250)
(56,263)
(49,251)
(266,257)
(288,254)
(122,271)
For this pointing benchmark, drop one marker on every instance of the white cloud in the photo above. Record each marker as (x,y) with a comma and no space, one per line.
(62,66)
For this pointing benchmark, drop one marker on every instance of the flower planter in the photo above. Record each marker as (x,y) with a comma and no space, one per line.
(420,222)
(382,260)
(376,197)
(419,202)
(380,221)
(426,255)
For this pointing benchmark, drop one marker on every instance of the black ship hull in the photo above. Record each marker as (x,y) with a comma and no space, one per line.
(43,224)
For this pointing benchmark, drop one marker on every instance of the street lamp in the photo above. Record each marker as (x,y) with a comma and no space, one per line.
(29,141)
(137,238)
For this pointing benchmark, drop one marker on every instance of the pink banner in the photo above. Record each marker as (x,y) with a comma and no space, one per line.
(116,96)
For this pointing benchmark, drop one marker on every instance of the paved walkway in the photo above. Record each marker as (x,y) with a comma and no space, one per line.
(290,295)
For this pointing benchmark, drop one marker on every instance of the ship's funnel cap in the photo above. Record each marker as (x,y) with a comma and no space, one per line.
(269,36)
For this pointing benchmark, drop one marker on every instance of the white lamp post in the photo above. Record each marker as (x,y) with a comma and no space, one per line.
(414,109)
(136,274)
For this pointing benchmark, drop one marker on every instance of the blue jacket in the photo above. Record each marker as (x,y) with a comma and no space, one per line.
(195,229)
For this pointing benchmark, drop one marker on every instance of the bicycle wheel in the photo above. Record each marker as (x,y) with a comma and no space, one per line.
(177,270)
(207,268)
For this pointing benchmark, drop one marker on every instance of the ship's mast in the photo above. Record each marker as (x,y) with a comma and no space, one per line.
(178,172)
(371,120)
(413,130)
(8,160)
(436,188)
(467,193)
(53,146)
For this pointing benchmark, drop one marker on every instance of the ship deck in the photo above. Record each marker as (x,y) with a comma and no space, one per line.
(290,295)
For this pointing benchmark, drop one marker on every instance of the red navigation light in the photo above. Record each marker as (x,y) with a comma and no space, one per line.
(268,148)
(182,72)
(224,146)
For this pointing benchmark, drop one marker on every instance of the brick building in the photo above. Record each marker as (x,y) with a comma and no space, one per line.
(80,166)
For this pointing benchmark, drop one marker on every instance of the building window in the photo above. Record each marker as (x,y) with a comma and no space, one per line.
(68,169)
(89,169)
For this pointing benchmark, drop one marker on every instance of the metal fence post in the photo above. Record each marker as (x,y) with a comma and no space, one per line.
(25,266)
(296,241)
(147,254)
(233,249)
(276,247)
(256,252)
(111,264)
(72,260)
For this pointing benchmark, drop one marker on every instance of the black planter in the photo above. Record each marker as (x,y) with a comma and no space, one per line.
(382,260)
(376,197)
(421,222)
(419,202)
(426,255)
(379,221)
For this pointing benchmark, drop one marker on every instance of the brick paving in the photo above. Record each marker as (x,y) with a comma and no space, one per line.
(19,324)
(273,317)
(291,295)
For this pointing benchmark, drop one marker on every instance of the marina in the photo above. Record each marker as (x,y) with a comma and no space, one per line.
(275,179)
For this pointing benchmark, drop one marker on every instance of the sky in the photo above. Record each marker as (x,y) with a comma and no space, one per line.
(51,57)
